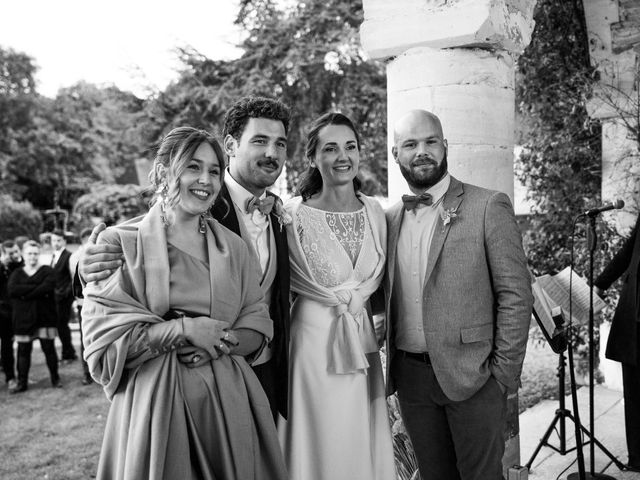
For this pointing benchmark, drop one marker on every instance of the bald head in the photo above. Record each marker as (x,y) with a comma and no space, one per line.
(415,119)
(420,149)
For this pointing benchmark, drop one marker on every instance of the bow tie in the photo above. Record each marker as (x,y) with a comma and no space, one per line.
(411,202)
(264,206)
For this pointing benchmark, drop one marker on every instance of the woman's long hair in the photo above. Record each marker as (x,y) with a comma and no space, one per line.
(310,181)
(174,152)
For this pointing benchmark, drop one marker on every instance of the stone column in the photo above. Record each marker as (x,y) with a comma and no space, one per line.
(613,27)
(456,58)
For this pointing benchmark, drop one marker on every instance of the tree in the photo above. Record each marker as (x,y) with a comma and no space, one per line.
(18,218)
(82,136)
(309,56)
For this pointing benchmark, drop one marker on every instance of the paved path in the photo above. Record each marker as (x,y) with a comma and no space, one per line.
(609,430)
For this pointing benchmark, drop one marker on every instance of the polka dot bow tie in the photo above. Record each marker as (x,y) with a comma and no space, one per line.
(411,202)
(264,206)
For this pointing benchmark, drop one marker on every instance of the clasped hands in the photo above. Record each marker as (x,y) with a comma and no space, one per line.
(208,339)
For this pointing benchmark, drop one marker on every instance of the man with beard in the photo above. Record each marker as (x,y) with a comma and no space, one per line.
(10,259)
(458,303)
(255,140)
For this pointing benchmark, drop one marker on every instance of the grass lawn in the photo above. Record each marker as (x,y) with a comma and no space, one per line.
(51,433)
(55,434)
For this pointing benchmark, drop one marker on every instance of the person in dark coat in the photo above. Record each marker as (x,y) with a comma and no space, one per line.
(10,259)
(624,336)
(63,292)
(31,290)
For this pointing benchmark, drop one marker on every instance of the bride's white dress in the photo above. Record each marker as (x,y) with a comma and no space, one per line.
(338,425)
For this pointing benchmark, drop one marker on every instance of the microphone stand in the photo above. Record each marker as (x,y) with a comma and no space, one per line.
(592,241)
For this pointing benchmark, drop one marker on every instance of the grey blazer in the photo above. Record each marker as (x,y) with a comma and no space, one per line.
(476,299)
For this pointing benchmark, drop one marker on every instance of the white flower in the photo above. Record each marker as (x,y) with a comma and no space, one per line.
(447,215)
(281,214)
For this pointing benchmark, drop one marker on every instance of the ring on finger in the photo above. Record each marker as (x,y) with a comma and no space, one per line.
(196,358)
(226,337)
(221,346)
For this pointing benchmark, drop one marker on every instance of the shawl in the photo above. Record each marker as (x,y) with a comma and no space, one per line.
(115,310)
(354,335)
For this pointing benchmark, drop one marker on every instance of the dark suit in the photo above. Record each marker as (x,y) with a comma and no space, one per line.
(624,336)
(63,295)
(273,375)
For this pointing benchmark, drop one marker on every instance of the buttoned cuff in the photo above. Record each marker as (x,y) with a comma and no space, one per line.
(166,336)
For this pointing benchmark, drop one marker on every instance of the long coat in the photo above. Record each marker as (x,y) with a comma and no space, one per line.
(224,211)
(622,345)
(32,300)
(476,299)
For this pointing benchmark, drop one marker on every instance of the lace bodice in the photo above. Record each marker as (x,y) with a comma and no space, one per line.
(338,246)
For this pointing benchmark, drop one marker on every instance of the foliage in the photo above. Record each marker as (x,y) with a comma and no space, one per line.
(308,55)
(110,204)
(561,163)
(18,218)
(52,149)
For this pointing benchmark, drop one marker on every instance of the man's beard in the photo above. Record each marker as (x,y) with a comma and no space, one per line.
(425,181)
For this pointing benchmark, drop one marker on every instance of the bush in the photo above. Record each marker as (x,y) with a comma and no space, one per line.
(18,218)
(110,204)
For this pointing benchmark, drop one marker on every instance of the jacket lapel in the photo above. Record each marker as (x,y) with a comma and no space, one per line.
(224,211)
(452,200)
(394,220)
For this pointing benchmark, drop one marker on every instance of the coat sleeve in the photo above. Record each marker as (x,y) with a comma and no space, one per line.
(619,263)
(511,283)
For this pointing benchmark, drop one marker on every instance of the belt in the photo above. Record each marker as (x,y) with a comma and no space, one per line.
(420,357)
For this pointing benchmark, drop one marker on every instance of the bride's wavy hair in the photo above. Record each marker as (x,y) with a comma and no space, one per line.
(173,153)
(310,181)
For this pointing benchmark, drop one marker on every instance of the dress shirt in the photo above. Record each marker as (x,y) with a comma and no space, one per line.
(256,223)
(55,256)
(414,241)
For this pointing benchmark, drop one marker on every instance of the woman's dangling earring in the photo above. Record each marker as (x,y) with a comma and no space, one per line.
(203,223)
(164,200)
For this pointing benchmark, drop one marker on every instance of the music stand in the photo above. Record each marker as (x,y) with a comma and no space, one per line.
(592,241)
(556,332)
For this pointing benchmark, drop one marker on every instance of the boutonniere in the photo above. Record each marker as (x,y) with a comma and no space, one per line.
(281,214)
(447,215)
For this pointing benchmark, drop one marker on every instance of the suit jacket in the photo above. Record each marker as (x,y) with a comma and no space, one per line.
(224,211)
(622,345)
(63,276)
(476,299)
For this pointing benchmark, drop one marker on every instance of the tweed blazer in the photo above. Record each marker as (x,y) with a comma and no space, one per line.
(476,299)
(224,211)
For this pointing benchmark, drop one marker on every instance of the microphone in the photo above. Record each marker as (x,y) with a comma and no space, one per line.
(604,208)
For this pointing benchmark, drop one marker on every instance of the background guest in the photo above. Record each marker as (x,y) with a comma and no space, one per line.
(31,290)
(10,259)
(63,292)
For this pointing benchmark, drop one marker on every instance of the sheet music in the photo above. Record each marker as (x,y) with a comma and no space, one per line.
(557,288)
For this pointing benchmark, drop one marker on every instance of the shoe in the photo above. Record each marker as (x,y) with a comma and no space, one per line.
(12,384)
(19,389)
(87,380)
(56,384)
(632,467)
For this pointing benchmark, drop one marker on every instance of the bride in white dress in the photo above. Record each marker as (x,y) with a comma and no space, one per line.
(338,426)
